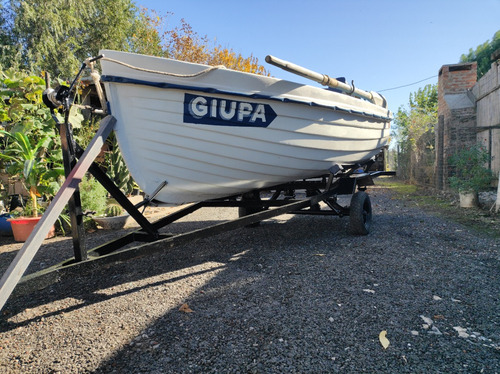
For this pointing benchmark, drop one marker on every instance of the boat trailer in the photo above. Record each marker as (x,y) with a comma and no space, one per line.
(320,197)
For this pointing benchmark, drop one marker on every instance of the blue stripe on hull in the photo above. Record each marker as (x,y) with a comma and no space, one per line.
(117,79)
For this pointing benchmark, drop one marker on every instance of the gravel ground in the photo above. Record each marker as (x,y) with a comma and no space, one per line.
(295,295)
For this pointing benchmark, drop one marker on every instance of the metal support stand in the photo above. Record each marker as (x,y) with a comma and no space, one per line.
(121,199)
(69,161)
(74,203)
(21,262)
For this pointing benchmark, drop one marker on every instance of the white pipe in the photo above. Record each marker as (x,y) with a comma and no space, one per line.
(325,80)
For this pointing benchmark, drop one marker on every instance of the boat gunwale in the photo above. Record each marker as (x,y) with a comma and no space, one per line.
(165,85)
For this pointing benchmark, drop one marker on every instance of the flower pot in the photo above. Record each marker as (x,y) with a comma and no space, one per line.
(112,223)
(5,225)
(23,226)
(468,199)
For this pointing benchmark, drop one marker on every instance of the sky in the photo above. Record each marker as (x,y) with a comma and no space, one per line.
(379,45)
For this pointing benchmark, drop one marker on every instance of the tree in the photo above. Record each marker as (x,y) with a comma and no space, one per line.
(411,124)
(421,116)
(146,36)
(182,43)
(58,35)
(232,60)
(482,54)
(8,54)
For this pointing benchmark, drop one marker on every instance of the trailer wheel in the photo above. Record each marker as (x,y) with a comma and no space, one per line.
(360,214)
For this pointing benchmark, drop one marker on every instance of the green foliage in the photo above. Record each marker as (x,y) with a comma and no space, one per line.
(147,34)
(93,195)
(183,43)
(21,105)
(113,210)
(22,157)
(7,51)
(58,35)
(28,161)
(117,169)
(413,127)
(421,116)
(152,37)
(482,54)
(30,146)
(470,172)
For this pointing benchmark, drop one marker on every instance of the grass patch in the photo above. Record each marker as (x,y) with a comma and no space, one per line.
(480,220)
(400,188)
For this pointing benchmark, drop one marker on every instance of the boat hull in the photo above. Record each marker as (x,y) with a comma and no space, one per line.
(224,133)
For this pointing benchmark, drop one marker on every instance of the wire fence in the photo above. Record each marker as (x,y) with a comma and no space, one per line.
(416,163)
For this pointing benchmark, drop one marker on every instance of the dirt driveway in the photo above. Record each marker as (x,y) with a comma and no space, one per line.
(295,295)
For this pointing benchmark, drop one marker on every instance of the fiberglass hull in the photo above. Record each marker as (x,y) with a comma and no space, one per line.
(224,132)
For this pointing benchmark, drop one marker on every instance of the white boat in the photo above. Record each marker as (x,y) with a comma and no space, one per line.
(211,132)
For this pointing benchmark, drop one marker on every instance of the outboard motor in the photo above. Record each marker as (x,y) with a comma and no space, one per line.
(54,98)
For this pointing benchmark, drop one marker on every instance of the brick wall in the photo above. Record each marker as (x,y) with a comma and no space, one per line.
(457,78)
(456,127)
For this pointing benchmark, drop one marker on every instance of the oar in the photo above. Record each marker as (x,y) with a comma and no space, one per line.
(325,80)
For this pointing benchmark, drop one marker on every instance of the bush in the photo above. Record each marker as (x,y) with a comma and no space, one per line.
(470,172)
(93,195)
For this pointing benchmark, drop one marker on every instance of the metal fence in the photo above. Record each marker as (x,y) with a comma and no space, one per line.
(416,164)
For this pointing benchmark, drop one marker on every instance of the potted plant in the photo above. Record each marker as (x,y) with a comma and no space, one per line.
(28,161)
(5,225)
(30,149)
(470,175)
(113,218)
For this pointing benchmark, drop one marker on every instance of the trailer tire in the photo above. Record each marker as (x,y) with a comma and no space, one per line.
(360,214)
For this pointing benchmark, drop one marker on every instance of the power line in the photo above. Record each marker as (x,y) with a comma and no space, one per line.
(407,85)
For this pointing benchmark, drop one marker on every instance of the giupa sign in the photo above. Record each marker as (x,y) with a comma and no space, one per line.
(206,110)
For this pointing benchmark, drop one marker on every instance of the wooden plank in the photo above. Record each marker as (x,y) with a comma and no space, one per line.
(30,248)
